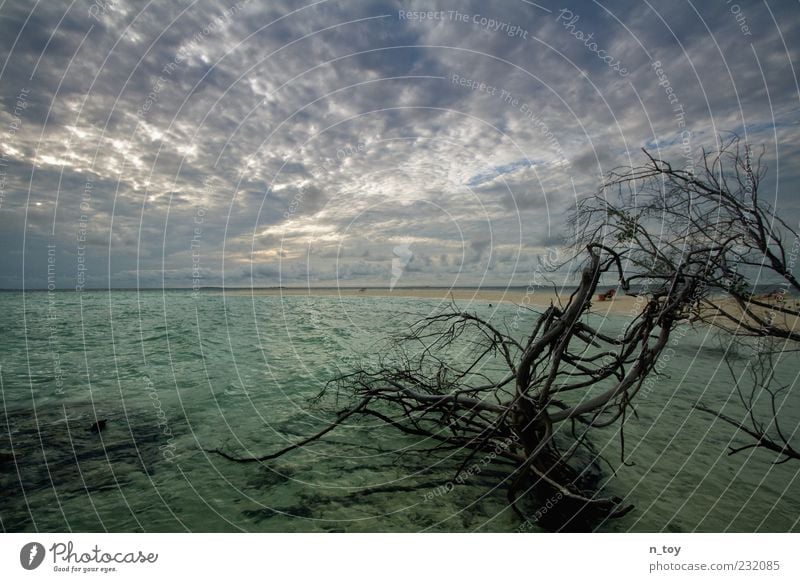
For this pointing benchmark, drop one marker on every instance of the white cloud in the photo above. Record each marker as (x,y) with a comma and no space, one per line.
(315,139)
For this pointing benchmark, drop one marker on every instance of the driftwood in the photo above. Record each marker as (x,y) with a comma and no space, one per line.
(538,413)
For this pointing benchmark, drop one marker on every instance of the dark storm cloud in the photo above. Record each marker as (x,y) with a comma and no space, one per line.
(293,143)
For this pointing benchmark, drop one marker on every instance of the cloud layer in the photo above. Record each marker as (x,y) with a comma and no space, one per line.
(232,143)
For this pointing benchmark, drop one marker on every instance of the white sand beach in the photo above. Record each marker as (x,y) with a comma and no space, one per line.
(540,298)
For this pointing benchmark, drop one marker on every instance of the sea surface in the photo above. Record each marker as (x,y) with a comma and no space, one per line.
(175,375)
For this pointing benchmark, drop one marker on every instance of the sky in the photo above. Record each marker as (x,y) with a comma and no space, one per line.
(359,143)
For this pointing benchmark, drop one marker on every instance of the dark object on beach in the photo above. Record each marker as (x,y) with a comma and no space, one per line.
(98,426)
(490,305)
(607,295)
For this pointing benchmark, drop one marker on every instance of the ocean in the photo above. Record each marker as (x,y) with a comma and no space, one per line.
(175,374)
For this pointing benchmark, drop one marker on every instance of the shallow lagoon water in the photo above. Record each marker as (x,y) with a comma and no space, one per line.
(238,372)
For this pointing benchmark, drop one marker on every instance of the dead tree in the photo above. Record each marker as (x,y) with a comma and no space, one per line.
(676,238)
(660,217)
(565,379)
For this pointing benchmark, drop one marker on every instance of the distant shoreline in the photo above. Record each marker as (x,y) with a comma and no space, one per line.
(284,288)
(539,297)
(762,288)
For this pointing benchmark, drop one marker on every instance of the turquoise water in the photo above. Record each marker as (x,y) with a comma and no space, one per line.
(175,374)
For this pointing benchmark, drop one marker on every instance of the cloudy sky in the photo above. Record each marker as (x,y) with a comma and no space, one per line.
(358,142)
